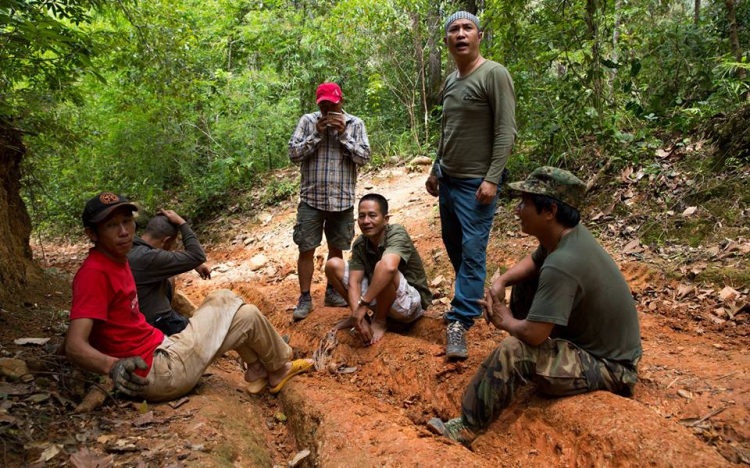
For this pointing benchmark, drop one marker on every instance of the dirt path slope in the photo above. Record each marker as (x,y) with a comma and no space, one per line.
(690,408)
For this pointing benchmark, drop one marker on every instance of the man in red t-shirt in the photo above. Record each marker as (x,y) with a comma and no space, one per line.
(109,335)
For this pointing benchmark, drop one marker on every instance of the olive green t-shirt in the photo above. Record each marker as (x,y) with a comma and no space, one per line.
(396,241)
(584,294)
(479,123)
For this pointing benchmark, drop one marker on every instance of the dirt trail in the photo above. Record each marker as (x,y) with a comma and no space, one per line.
(375,416)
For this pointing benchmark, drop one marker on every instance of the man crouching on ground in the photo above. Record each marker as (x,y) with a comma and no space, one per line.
(572,318)
(109,335)
(385,273)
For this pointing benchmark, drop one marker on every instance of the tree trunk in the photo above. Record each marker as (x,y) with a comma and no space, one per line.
(734,38)
(16,260)
(697,12)
(434,69)
(595,69)
(421,77)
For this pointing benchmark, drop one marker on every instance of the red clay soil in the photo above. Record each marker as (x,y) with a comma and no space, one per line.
(375,416)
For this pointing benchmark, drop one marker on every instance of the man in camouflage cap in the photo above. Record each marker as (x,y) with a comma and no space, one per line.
(571,317)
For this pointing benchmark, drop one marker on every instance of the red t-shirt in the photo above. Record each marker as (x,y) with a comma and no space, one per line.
(104,290)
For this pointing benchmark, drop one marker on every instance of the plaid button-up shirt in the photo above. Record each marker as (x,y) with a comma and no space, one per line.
(329,162)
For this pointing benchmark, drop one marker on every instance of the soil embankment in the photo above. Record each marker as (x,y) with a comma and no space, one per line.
(690,407)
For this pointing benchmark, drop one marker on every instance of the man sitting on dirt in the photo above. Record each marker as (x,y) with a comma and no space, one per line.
(154,267)
(385,273)
(572,318)
(109,335)
(329,146)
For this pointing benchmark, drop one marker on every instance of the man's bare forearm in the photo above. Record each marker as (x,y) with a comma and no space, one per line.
(86,357)
(521,271)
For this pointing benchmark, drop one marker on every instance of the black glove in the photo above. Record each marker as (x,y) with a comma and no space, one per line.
(124,377)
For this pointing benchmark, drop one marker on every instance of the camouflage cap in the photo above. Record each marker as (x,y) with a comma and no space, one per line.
(553,182)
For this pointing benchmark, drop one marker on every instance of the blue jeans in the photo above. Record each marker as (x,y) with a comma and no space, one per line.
(466,228)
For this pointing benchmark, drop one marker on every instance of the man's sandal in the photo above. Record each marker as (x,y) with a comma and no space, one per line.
(299,366)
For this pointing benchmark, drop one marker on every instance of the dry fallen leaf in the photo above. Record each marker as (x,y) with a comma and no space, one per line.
(689,211)
(103,439)
(299,457)
(144,419)
(728,294)
(625,174)
(633,246)
(683,290)
(84,458)
(685,394)
(49,453)
(713,251)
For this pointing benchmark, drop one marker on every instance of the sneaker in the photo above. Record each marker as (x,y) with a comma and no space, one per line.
(334,299)
(453,429)
(455,342)
(304,307)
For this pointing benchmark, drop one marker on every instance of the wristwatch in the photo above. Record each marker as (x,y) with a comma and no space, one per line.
(363,302)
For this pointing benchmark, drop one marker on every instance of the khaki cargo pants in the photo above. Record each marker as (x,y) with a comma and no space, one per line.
(222,323)
(557,367)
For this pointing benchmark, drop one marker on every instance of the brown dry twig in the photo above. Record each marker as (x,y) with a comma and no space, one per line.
(322,355)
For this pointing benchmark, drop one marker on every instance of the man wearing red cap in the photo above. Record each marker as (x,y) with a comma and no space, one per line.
(329,145)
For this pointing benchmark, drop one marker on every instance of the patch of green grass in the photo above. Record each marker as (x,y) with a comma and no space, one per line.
(226,452)
(279,190)
(720,275)
(693,232)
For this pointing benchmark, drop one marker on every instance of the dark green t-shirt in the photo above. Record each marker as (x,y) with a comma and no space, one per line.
(479,123)
(396,241)
(582,291)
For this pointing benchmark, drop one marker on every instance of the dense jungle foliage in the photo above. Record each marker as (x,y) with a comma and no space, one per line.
(190,102)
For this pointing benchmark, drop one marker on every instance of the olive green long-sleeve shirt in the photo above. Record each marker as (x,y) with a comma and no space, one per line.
(479,123)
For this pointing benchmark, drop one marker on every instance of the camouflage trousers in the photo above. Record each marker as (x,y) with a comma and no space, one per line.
(557,367)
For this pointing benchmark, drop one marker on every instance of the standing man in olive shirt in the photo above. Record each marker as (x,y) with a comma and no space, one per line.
(478,131)
(572,319)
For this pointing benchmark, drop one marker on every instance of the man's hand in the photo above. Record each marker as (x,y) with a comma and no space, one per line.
(495,310)
(203,271)
(124,377)
(432,185)
(173,217)
(498,285)
(337,122)
(361,324)
(320,125)
(486,192)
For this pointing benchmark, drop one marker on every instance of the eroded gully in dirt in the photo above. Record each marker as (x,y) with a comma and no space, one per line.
(375,416)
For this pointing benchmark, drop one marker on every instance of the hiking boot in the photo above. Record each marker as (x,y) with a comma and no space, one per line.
(453,429)
(334,299)
(455,342)
(304,307)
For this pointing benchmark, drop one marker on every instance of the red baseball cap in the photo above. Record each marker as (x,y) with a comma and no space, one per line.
(328,92)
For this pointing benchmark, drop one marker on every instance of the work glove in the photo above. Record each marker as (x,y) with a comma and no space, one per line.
(124,377)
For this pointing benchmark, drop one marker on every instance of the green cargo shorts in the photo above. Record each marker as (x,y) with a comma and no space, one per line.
(312,222)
